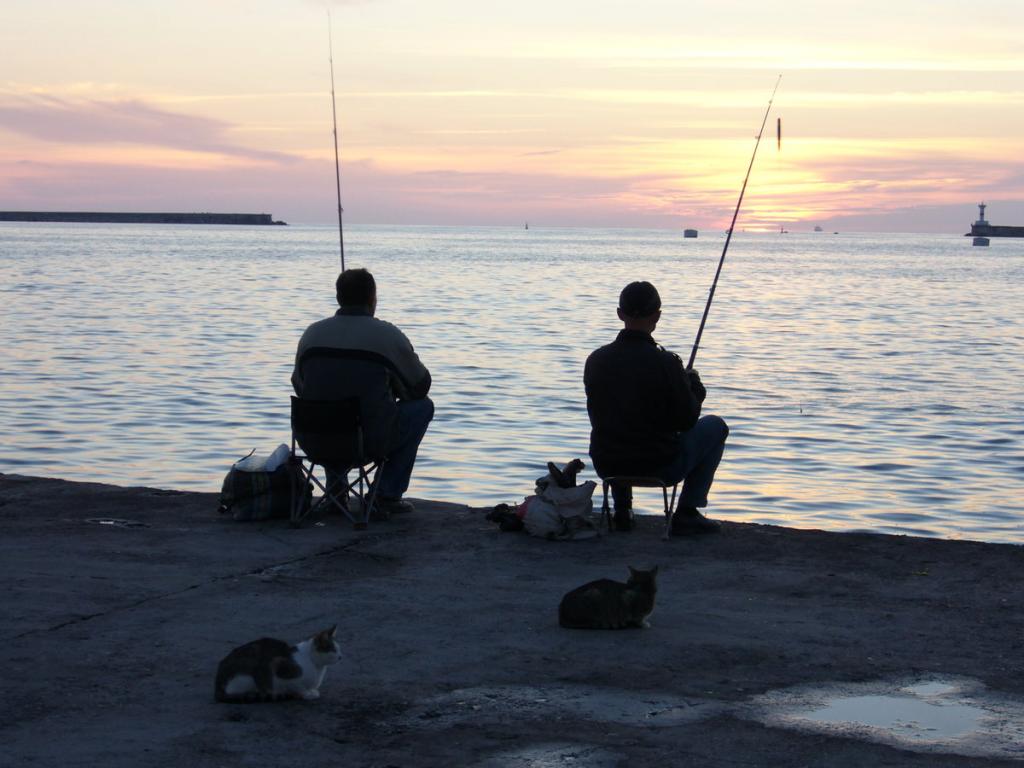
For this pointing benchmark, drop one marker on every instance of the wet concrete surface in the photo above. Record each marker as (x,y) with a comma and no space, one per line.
(937,715)
(768,646)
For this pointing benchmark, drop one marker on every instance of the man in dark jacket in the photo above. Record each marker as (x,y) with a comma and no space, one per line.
(644,411)
(354,354)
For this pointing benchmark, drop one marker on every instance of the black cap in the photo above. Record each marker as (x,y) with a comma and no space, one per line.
(639,299)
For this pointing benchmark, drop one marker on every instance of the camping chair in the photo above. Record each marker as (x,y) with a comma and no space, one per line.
(634,481)
(330,434)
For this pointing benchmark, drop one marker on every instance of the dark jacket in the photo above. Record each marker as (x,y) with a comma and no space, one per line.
(639,398)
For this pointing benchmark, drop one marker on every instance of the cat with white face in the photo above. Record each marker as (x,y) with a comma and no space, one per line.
(270,670)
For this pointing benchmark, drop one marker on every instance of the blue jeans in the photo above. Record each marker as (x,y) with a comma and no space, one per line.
(413,418)
(699,453)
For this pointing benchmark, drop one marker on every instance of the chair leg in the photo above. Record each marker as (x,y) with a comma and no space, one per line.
(371,486)
(364,490)
(357,491)
(670,510)
(337,494)
(299,482)
(668,513)
(341,493)
(330,495)
(606,514)
(334,493)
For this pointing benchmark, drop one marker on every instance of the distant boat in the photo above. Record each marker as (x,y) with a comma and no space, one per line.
(817,229)
(527,225)
(689,233)
(783,231)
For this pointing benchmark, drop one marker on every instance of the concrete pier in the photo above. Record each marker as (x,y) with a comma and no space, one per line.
(118,604)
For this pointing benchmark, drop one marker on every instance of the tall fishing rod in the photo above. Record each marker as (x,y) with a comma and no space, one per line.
(728,236)
(337,164)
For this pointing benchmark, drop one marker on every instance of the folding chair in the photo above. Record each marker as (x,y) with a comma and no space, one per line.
(634,481)
(330,434)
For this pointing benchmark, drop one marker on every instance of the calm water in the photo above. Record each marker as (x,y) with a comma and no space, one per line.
(871,382)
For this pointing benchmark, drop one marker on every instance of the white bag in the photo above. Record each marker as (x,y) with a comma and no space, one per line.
(561,513)
(254,463)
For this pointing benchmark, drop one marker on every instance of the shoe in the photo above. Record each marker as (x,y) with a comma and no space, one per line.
(623,520)
(393,506)
(687,521)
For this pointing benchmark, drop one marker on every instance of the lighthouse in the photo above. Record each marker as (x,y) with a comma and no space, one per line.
(982,228)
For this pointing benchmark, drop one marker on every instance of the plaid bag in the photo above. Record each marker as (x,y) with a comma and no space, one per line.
(261,495)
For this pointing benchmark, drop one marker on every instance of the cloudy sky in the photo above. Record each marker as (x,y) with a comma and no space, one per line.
(896,116)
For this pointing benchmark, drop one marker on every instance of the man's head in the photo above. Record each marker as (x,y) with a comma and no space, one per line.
(640,306)
(356,288)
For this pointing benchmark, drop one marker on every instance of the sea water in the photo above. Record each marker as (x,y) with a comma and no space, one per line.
(871,382)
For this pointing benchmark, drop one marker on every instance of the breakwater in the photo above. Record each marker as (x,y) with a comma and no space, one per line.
(995,230)
(99,217)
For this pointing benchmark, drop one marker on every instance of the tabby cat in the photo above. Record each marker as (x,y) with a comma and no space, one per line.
(269,669)
(608,604)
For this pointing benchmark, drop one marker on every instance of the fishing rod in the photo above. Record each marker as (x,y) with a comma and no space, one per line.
(728,235)
(337,164)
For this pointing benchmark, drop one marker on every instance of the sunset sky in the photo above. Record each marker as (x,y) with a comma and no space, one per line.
(896,116)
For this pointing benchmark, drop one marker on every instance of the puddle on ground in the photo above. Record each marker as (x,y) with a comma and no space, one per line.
(116,522)
(554,702)
(553,756)
(934,714)
(959,716)
(911,716)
